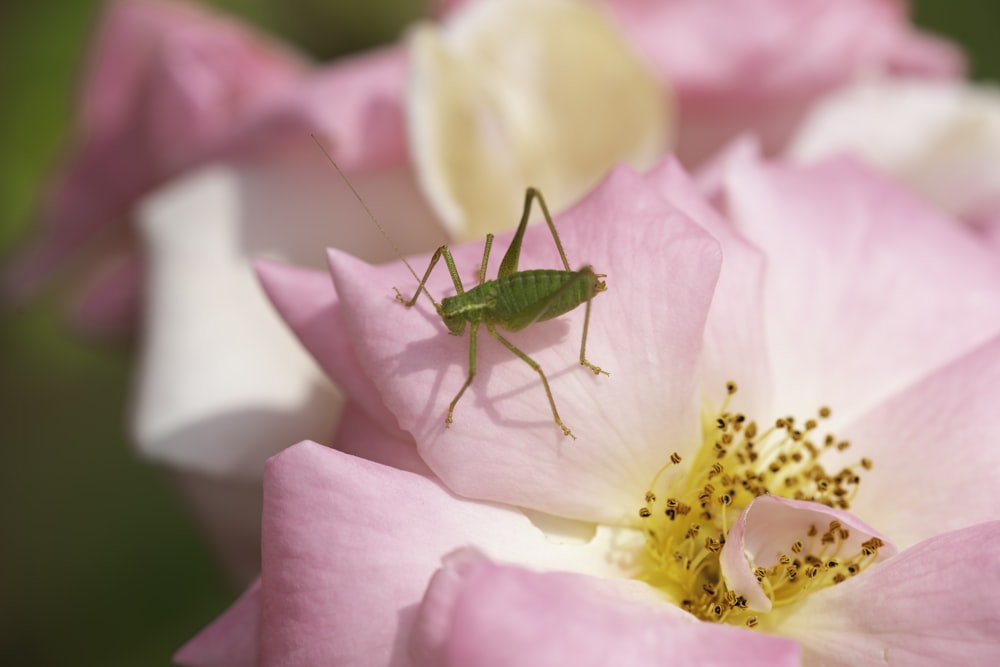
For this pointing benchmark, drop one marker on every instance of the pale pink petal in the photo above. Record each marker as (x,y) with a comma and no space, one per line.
(855,265)
(934,604)
(735,349)
(359,434)
(231,640)
(479,614)
(768,527)
(349,547)
(940,138)
(934,451)
(646,330)
(729,65)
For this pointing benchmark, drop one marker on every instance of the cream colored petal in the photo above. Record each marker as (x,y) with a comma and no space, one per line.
(514,93)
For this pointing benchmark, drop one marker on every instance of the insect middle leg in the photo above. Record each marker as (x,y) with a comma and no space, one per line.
(541,374)
(473,331)
(586,321)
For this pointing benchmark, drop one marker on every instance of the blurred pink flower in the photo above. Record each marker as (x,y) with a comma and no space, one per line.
(170,87)
(194,154)
(810,287)
(748,66)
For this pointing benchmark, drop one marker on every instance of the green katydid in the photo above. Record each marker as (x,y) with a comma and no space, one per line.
(513,301)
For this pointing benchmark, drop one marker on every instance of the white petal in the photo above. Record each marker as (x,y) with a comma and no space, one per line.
(222,383)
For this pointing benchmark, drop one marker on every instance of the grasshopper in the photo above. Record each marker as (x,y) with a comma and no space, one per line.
(513,301)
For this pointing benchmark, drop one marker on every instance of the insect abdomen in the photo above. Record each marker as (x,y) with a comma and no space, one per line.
(520,291)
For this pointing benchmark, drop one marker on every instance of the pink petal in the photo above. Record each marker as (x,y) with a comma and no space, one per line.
(728,61)
(230,640)
(934,604)
(361,435)
(139,36)
(924,54)
(478,614)
(348,549)
(934,451)
(646,330)
(768,527)
(354,106)
(735,348)
(860,277)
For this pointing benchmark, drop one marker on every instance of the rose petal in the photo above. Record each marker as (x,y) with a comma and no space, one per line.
(934,604)
(354,106)
(733,352)
(768,527)
(349,546)
(479,614)
(854,267)
(935,463)
(661,272)
(361,435)
(230,640)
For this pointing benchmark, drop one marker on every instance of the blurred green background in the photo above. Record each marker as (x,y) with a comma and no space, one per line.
(99,565)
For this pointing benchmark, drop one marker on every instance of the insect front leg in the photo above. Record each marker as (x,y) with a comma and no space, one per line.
(442,251)
(541,374)
(473,331)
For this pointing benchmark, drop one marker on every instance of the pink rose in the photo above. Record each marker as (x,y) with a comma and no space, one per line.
(506,543)
(196,156)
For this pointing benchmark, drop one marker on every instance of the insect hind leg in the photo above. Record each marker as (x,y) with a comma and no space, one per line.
(541,374)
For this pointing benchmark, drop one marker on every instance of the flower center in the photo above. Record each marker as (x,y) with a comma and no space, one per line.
(737,462)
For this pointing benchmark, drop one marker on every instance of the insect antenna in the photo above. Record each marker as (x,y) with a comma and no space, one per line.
(371,216)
